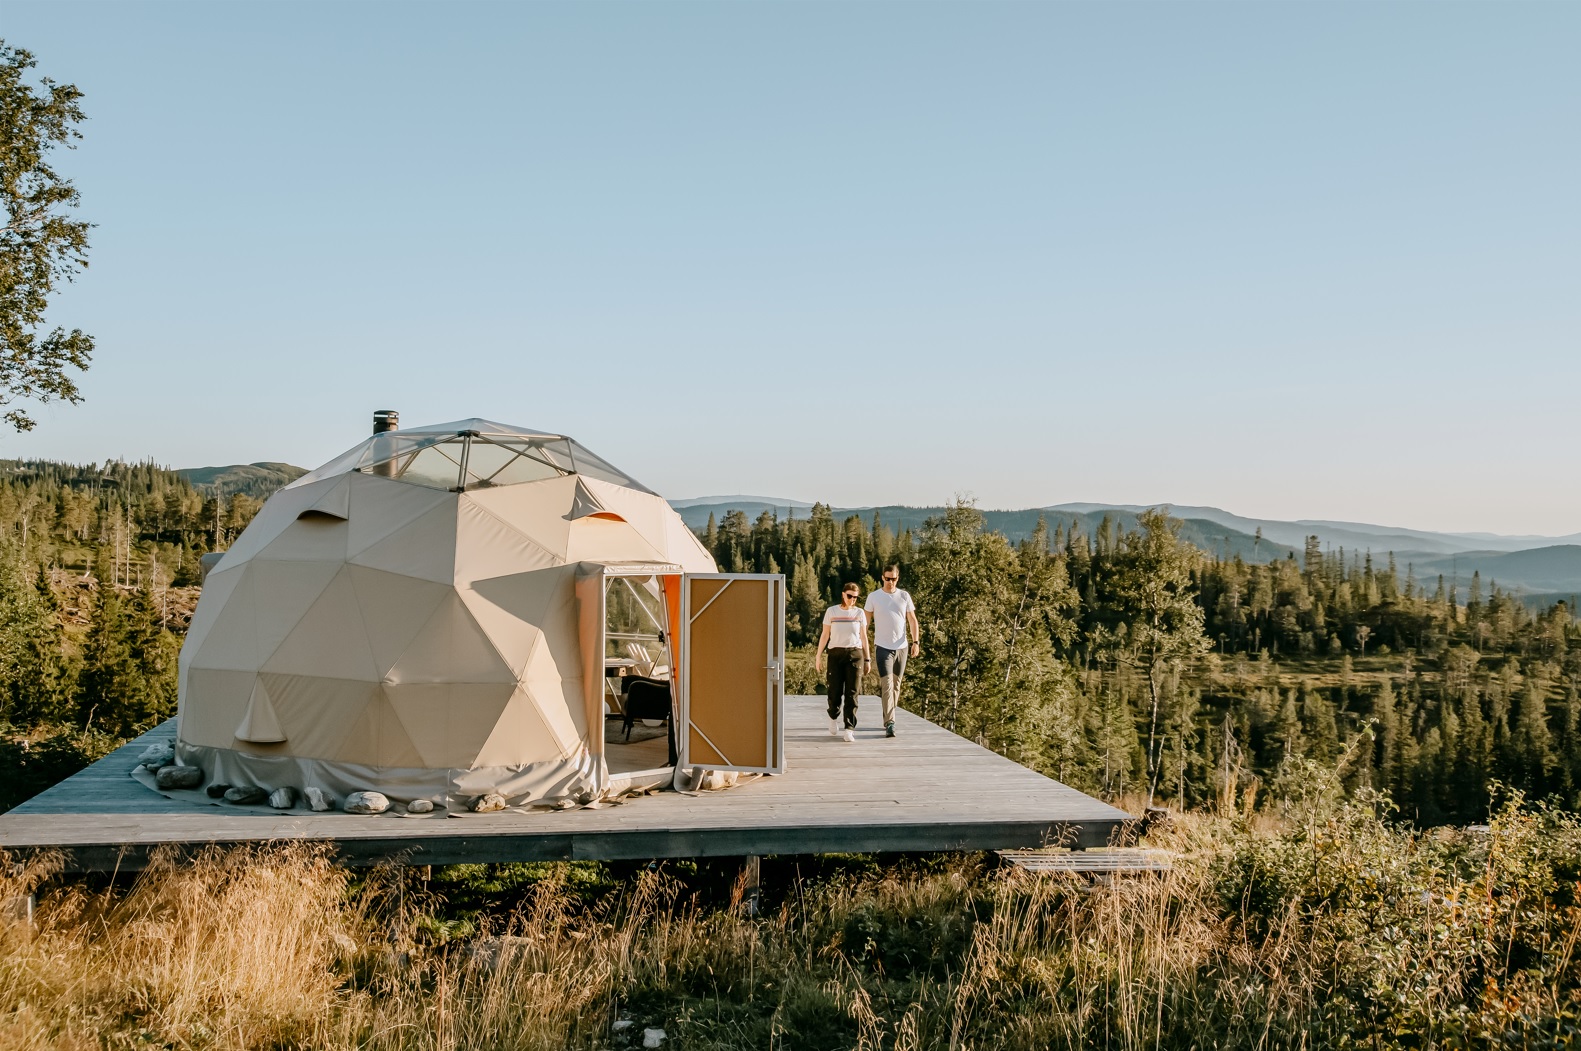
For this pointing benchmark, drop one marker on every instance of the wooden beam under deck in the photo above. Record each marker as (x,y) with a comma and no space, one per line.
(924,790)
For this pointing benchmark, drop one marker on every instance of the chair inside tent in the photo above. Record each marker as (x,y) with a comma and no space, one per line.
(466,609)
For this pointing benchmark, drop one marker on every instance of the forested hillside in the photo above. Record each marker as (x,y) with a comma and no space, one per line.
(1129,659)
(1118,658)
(1540,570)
(98,578)
(252,479)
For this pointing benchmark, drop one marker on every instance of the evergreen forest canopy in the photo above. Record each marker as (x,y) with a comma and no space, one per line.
(1126,660)
(1129,660)
(99,573)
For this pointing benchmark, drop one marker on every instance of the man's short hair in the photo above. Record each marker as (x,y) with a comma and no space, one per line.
(893,567)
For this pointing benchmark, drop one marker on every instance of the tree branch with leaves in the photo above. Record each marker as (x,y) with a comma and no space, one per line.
(41,243)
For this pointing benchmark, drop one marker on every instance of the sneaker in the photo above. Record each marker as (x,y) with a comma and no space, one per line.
(834,726)
(889,729)
(848,737)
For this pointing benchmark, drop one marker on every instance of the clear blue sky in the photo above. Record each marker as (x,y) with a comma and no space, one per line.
(1295,260)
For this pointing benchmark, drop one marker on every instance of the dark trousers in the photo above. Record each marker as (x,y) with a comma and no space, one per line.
(845,670)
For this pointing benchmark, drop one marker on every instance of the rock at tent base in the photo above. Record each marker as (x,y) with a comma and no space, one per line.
(156,756)
(652,1037)
(717,780)
(420,806)
(623,1023)
(487,804)
(367,803)
(283,798)
(246,795)
(217,790)
(179,777)
(319,799)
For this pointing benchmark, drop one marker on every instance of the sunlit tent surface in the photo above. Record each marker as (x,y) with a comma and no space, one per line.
(405,619)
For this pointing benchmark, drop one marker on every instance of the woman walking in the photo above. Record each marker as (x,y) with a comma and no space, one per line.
(845,638)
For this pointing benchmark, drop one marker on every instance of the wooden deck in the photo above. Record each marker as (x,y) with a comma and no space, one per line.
(924,790)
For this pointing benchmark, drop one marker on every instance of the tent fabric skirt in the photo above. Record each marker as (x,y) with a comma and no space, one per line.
(574,778)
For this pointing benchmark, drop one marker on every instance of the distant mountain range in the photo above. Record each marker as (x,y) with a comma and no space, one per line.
(1348,534)
(1543,568)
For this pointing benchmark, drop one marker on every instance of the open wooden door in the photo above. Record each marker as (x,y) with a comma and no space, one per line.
(733,672)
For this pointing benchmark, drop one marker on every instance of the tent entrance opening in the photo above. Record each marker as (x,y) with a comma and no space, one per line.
(638,701)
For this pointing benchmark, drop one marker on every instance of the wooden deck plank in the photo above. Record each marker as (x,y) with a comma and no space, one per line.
(1092,862)
(924,790)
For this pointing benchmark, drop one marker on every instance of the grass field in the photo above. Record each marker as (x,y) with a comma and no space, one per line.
(1322,925)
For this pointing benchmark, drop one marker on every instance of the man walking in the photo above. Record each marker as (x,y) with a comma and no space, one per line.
(892,613)
(845,637)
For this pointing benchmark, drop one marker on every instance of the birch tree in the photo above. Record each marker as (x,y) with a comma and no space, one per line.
(1160,623)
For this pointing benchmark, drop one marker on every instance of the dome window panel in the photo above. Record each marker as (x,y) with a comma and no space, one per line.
(437,467)
(472,454)
(492,463)
(597,467)
(556,451)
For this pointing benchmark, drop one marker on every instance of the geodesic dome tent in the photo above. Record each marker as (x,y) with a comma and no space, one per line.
(405,619)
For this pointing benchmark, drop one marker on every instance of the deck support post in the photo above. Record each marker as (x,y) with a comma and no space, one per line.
(751,885)
(20,910)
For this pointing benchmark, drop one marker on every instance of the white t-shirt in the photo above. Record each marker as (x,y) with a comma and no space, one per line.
(889,617)
(847,627)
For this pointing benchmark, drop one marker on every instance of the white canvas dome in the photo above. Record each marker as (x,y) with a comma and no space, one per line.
(404,618)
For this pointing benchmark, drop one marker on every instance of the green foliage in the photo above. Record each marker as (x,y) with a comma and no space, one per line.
(35,675)
(1088,657)
(96,568)
(31,762)
(40,244)
(128,678)
(1451,939)
(1330,925)
(1154,624)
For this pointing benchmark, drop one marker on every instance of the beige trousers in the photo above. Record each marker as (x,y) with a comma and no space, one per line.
(891,673)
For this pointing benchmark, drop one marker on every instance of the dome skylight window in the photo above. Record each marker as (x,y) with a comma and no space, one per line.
(470,455)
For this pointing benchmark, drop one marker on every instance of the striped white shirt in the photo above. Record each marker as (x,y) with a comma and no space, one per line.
(847,627)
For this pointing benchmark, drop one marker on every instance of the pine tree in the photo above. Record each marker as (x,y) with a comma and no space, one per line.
(34,681)
(1318,726)
(110,693)
(1387,720)
(154,652)
(1287,728)
(1570,745)
(805,616)
(1116,743)
(1533,742)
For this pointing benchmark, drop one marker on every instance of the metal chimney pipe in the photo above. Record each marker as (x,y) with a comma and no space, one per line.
(385,421)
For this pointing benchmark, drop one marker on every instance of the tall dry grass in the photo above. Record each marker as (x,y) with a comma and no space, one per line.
(1316,929)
